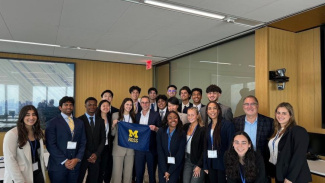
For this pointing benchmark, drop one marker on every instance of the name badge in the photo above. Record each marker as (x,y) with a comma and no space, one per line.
(212,154)
(72,145)
(35,166)
(171,160)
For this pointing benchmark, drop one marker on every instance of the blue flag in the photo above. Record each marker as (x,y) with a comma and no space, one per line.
(133,136)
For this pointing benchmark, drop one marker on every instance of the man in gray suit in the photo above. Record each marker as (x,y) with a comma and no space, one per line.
(213,94)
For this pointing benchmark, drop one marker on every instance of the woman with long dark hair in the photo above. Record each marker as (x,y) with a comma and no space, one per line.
(171,141)
(292,141)
(106,163)
(195,135)
(219,135)
(23,148)
(242,163)
(123,158)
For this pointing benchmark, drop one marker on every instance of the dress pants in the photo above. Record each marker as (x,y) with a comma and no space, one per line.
(93,171)
(140,160)
(218,176)
(106,165)
(123,166)
(188,173)
(65,175)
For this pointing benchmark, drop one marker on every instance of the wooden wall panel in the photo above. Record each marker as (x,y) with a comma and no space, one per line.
(282,53)
(262,70)
(93,77)
(309,80)
(162,78)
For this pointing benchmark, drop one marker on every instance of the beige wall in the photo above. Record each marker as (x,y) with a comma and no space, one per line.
(93,77)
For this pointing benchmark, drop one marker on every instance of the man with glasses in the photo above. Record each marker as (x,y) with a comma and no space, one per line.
(171,91)
(257,126)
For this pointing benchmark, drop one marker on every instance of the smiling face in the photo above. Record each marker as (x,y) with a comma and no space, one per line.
(171,92)
(185,95)
(241,145)
(127,106)
(172,107)
(161,104)
(135,95)
(250,107)
(192,115)
(152,95)
(107,96)
(105,107)
(283,116)
(91,107)
(145,104)
(213,96)
(30,118)
(172,120)
(213,111)
(196,97)
(66,108)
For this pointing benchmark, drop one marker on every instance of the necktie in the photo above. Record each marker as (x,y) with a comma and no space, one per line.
(71,124)
(161,114)
(152,106)
(92,125)
(135,107)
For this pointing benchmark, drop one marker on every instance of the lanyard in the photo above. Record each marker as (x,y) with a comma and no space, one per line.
(33,149)
(276,137)
(241,176)
(211,137)
(169,139)
(191,134)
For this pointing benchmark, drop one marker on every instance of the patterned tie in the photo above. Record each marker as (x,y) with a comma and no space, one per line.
(135,107)
(71,124)
(161,114)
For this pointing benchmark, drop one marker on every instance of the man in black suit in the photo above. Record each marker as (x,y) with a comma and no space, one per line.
(213,94)
(135,92)
(108,95)
(185,93)
(259,127)
(196,97)
(152,119)
(95,133)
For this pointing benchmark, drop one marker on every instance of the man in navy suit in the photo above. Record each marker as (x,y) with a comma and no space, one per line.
(185,93)
(96,137)
(135,92)
(257,126)
(152,119)
(66,143)
(197,97)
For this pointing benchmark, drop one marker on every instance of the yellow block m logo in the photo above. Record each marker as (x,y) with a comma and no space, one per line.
(133,133)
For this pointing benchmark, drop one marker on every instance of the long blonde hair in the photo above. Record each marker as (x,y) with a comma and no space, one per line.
(199,119)
(292,121)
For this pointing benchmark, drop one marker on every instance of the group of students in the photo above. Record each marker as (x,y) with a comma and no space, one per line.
(189,143)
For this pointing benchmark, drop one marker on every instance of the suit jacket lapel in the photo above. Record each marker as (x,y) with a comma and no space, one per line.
(27,152)
(151,120)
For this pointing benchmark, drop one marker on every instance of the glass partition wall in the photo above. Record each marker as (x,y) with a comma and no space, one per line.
(231,66)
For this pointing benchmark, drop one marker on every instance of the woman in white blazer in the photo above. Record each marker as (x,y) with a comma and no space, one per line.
(23,149)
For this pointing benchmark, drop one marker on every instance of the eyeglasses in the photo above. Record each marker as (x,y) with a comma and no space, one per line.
(144,102)
(250,104)
(171,90)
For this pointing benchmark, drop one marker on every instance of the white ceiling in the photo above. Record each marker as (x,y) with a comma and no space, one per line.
(122,26)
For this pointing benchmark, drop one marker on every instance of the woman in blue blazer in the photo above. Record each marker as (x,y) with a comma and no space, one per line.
(288,147)
(219,135)
(171,141)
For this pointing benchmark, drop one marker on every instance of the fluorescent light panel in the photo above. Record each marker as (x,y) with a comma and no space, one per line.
(184,9)
(77,48)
